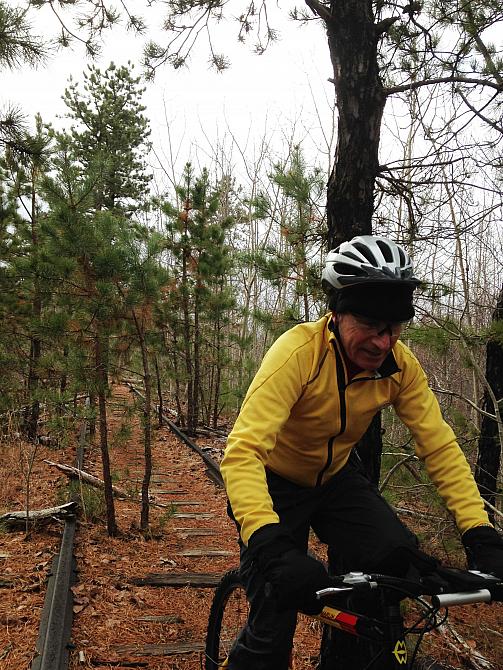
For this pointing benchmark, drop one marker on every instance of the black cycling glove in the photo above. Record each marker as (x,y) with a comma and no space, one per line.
(294,577)
(484,550)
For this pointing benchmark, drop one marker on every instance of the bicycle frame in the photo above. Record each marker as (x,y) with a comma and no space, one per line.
(387,633)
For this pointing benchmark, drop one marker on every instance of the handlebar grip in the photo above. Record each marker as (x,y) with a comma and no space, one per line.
(448,599)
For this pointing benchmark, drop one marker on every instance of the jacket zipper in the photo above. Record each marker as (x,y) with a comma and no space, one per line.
(341,387)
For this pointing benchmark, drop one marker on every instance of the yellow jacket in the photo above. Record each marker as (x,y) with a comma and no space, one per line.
(301,418)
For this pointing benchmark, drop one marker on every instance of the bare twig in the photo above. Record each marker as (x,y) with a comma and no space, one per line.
(386,479)
(465,399)
(473,657)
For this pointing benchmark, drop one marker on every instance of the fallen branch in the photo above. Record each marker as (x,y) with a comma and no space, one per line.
(18,518)
(74,473)
(473,657)
(419,515)
(81,475)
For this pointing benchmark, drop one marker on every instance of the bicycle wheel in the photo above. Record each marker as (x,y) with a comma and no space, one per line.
(228,614)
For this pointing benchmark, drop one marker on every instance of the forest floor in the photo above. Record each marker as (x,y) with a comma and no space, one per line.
(117,622)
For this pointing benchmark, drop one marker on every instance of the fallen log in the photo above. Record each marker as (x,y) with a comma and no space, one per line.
(18,518)
(177,579)
(74,473)
(81,475)
(157,649)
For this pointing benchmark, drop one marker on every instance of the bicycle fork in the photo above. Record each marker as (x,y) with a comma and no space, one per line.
(386,633)
(395,650)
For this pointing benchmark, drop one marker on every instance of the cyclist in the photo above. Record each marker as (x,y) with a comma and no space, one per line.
(287,466)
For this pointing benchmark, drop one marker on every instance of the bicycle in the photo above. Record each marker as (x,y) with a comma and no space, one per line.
(433,594)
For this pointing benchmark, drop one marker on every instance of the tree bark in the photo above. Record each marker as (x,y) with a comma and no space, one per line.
(489,453)
(196,382)
(187,342)
(160,406)
(352,40)
(101,353)
(147,425)
(33,411)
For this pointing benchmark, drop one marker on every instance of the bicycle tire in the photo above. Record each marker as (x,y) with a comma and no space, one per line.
(228,614)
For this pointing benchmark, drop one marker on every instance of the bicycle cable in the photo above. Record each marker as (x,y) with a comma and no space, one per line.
(431,623)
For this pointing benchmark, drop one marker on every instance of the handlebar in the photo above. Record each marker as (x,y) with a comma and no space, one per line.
(447,587)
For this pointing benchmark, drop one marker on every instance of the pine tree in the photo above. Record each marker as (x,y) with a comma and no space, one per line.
(301,224)
(195,237)
(109,135)
(17,43)
(22,174)
(100,181)
(141,295)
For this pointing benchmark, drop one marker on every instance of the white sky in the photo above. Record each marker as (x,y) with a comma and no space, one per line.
(258,95)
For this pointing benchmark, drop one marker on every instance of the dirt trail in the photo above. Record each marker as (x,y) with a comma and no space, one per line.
(115,619)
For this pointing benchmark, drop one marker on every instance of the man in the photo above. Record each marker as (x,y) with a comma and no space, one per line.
(287,466)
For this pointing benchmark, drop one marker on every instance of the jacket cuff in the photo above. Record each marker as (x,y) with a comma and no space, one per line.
(270,540)
(481,535)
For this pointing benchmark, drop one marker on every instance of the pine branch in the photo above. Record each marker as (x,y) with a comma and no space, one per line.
(479,113)
(442,80)
(320,10)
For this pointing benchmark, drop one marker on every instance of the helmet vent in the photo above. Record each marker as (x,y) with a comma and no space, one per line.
(349,254)
(349,270)
(367,259)
(385,250)
(365,251)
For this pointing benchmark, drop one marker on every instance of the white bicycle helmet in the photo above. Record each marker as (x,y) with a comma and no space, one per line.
(367,259)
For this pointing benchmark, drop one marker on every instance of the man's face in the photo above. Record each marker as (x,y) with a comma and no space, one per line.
(367,342)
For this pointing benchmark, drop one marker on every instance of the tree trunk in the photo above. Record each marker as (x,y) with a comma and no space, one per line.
(217,381)
(33,411)
(187,348)
(63,382)
(196,384)
(352,40)
(92,414)
(160,409)
(178,392)
(489,455)
(102,384)
(147,425)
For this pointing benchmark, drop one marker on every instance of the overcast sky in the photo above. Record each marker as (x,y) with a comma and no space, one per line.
(258,95)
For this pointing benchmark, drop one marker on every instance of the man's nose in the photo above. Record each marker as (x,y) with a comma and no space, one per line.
(382,340)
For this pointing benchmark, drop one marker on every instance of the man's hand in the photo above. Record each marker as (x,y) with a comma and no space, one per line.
(294,577)
(484,550)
